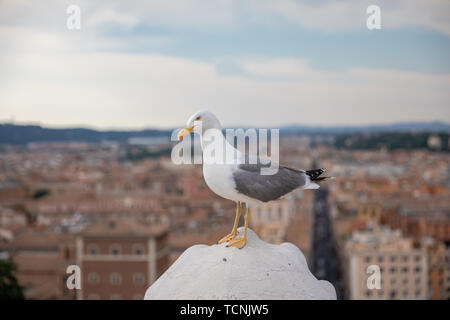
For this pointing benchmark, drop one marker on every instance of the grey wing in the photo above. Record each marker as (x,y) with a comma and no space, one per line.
(251,183)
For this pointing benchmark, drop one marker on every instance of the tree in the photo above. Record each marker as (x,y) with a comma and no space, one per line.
(9,286)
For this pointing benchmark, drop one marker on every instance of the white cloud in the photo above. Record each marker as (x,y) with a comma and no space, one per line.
(110,16)
(433,14)
(59,77)
(125,90)
(223,15)
(335,15)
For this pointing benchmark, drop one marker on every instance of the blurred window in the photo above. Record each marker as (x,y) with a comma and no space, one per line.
(138,278)
(93,249)
(116,278)
(138,249)
(114,249)
(93,278)
(393,294)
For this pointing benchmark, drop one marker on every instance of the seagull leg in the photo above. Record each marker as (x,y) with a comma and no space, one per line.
(236,222)
(240,242)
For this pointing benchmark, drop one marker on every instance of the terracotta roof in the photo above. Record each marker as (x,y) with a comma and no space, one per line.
(37,262)
(187,239)
(35,239)
(120,227)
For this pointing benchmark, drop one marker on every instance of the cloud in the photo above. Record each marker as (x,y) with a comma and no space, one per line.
(226,15)
(432,14)
(350,15)
(126,90)
(59,77)
(110,16)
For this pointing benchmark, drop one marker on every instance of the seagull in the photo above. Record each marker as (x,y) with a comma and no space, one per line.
(241,180)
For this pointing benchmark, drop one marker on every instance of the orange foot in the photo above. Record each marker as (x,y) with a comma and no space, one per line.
(228,237)
(238,243)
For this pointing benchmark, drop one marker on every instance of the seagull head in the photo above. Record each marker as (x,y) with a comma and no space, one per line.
(200,122)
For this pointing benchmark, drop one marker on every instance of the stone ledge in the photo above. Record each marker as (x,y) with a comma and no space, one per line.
(259,271)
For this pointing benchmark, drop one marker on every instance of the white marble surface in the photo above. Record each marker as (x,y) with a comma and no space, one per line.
(258,271)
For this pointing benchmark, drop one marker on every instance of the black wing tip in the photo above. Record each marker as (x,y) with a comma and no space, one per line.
(315,173)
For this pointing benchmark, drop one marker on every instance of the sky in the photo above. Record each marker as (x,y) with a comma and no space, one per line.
(140,64)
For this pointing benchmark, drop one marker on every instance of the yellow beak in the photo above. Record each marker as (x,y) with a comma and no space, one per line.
(184,132)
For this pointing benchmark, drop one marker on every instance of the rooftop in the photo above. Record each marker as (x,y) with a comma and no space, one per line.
(123,227)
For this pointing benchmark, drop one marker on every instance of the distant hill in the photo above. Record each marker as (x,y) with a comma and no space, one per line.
(393,141)
(22,134)
(395,127)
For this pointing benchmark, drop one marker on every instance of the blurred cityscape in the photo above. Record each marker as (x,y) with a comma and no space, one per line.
(123,212)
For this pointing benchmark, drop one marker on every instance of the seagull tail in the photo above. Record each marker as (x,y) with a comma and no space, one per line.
(314,176)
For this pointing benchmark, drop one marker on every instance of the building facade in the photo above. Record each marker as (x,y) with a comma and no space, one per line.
(271,220)
(42,260)
(403,267)
(447,271)
(119,259)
